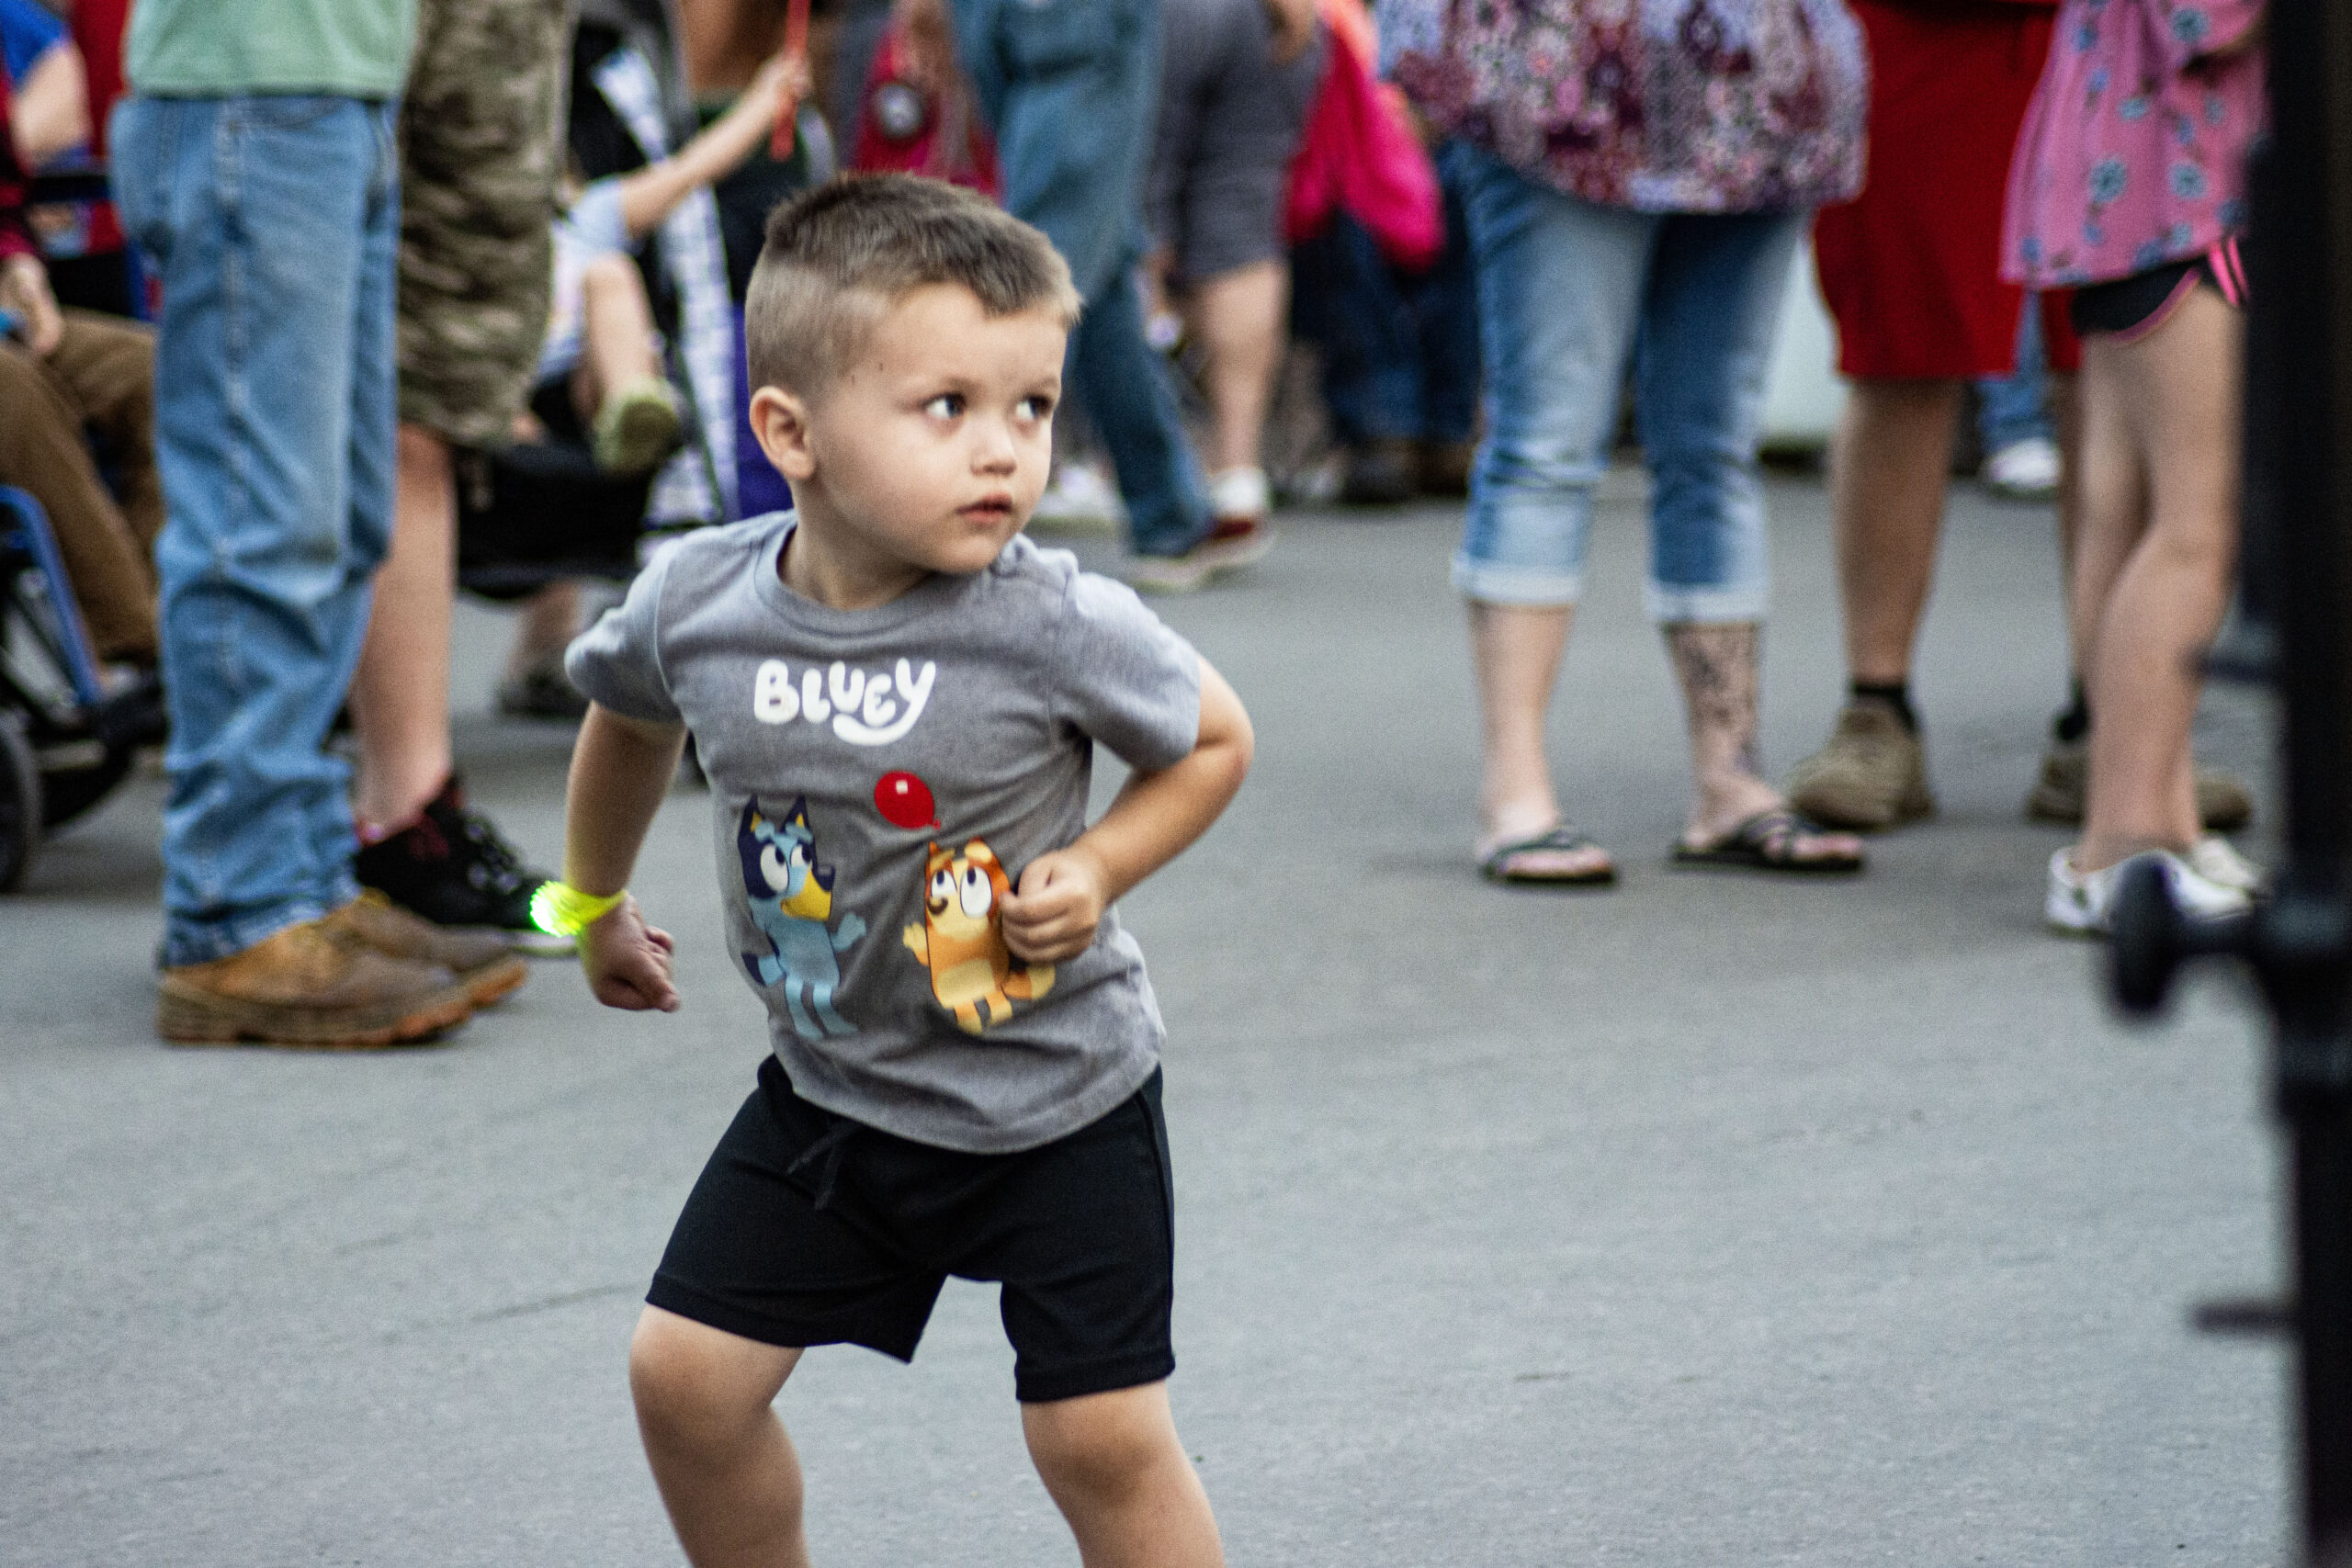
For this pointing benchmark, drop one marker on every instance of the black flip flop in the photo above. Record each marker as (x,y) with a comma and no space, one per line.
(1494,864)
(1763,843)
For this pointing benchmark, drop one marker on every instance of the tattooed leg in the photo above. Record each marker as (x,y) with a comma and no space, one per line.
(1718,666)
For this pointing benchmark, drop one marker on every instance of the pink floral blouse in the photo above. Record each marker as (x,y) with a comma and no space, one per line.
(2133,151)
(1662,105)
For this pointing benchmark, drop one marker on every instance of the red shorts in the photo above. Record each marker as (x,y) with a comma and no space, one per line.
(1911,267)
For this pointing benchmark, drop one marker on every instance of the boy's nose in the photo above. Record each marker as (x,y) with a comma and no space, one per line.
(997,452)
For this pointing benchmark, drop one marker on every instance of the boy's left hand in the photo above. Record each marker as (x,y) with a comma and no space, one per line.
(1051,916)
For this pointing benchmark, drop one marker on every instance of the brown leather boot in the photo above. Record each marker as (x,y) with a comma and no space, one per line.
(483,961)
(302,987)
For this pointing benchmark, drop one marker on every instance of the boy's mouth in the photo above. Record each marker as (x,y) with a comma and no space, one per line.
(988,509)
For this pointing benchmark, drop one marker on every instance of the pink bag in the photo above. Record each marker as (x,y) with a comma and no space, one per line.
(1359,153)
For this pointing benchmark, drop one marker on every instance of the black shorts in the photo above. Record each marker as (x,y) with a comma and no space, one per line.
(2133,307)
(809,1228)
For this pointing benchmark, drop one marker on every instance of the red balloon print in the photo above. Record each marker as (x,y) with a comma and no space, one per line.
(905,801)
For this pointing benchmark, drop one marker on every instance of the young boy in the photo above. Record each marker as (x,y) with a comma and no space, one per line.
(896,697)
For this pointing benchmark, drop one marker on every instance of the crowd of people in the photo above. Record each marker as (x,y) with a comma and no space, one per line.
(387,250)
(376,252)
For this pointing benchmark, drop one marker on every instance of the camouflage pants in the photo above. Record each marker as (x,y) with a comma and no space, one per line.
(480,149)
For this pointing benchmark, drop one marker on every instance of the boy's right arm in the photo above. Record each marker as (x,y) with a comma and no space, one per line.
(621,770)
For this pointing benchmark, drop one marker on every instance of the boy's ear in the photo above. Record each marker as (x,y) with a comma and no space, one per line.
(780,424)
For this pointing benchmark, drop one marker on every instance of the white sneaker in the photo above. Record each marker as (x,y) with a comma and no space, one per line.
(1081,500)
(2023,470)
(1240,493)
(2217,859)
(2082,903)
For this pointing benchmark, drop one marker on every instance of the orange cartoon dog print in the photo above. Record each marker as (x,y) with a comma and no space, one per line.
(961,939)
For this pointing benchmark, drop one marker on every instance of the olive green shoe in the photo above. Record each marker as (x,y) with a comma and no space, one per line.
(2224,804)
(1872,775)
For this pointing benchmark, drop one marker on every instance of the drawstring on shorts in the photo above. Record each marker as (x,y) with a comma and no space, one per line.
(830,1149)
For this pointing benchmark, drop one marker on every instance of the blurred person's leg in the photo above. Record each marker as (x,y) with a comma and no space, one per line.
(618,388)
(1889,464)
(42,453)
(111,367)
(272,222)
(2173,396)
(400,700)
(1560,284)
(1712,300)
(1346,299)
(1909,269)
(1039,67)
(1445,303)
(1239,318)
(1229,125)
(479,163)
(2015,424)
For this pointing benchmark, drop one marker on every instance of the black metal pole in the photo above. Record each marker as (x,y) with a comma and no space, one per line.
(2299,429)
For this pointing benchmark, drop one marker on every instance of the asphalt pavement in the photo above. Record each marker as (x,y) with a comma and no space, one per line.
(1712,1219)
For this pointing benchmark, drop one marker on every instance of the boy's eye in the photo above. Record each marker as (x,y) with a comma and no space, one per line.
(1036,408)
(948,405)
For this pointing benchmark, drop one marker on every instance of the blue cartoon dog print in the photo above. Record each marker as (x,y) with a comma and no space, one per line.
(791,898)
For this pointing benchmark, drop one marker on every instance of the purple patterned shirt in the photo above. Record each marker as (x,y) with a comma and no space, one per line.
(1661,105)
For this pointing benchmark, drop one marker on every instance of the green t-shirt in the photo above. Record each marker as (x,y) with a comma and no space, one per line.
(213,48)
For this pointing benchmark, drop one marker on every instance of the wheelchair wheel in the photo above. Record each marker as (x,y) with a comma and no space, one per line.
(20,808)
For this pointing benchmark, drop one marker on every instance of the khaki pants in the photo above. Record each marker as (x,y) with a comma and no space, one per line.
(100,381)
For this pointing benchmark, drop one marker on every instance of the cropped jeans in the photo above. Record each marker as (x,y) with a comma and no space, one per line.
(1071,89)
(1567,292)
(273,222)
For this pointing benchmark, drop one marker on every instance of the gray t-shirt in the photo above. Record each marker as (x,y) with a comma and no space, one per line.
(880,778)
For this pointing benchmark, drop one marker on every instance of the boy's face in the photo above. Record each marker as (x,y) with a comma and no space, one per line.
(930,448)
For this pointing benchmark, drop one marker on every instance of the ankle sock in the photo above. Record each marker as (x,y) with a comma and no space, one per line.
(1896,694)
(2075,722)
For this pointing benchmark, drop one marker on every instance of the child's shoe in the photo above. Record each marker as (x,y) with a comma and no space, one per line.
(2082,903)
(638,426)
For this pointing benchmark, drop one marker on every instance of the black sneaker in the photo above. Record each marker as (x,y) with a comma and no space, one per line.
(456,870)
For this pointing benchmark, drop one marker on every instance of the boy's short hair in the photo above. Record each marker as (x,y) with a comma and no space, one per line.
(836,256)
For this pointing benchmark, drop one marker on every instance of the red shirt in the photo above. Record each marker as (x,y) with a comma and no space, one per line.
(15,239)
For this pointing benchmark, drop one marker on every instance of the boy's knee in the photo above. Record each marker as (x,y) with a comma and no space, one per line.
(1102,1445)
(697,1386)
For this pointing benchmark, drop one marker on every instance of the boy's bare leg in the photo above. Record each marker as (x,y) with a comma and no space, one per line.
(2169,395)
(399,697)
(706,1409)
(1889,467)
(1117,1470)
(1239,318)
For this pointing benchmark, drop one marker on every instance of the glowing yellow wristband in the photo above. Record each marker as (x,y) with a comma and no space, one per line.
(560,909)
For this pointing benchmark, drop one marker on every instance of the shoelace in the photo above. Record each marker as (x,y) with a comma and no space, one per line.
(502,866)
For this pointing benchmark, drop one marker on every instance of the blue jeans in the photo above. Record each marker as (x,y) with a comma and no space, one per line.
(2013,406)
(273,222)
(1567,292)
(1070,88)
(1400,349)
